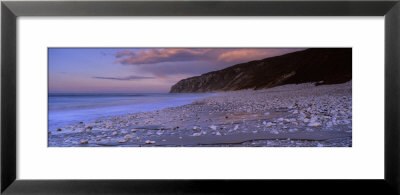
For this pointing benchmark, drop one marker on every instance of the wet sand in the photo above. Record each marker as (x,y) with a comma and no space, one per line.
(301,115)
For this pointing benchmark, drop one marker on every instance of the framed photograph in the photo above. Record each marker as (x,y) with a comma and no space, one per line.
(125,97)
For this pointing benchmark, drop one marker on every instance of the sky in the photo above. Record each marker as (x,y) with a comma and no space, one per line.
(141,69)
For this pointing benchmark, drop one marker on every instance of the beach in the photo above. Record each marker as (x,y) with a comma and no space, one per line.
(302,115)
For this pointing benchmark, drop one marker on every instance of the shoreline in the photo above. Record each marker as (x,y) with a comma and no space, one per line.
(301,115)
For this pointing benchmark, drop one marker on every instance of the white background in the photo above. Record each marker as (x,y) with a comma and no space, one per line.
(364,160)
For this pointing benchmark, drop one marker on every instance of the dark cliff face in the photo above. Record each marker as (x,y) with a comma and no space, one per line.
(330,66)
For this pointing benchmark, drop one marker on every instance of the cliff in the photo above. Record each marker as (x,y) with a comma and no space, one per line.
(322,65)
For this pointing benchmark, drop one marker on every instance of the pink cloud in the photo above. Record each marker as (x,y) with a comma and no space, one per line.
(244,55)
(214,55)
(153,56)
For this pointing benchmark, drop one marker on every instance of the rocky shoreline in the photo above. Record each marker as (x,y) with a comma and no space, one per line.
(302,115)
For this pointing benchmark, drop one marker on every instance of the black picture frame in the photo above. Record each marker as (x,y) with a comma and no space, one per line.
(11,10)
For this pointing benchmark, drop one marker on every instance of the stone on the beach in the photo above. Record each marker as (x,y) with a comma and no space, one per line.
(269,124)
(213,127)
(275,132)
(346,121)
(264,123)
(309,130)
(84,141)
(124,132)
(98,139)
(149,142)
(159,132)
(306,120)
(292,130)
(236,127)
(122,141)
(194,127)
(217,133)
(133,130)
(266,113)
(114,133)
(314,124)
(127,137)
(196,134)
(59,129)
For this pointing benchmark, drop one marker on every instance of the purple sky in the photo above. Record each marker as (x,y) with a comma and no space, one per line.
(141,69)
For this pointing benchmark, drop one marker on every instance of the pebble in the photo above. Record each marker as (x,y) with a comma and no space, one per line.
(196,134)
(292,130)
(114,133)
(127,137)
(269,124)
(150,142)
(236,127)
(275,132)
(314,124)
(309,130)
(84,141)
(213,127)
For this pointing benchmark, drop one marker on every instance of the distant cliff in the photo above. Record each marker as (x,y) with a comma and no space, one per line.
(322,65)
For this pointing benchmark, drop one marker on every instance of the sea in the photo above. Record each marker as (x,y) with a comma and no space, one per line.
(70,108)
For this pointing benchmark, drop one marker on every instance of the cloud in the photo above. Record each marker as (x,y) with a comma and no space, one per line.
(128,78)
(154,56)
(244,55)
(213,55)
(167,62)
